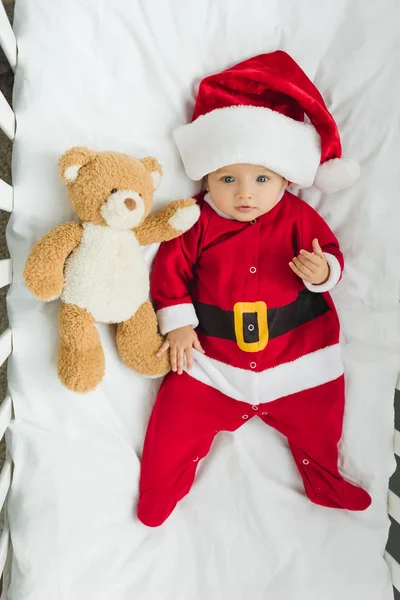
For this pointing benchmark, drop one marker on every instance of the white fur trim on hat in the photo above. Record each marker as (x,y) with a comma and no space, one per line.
(337,174)
(250,134)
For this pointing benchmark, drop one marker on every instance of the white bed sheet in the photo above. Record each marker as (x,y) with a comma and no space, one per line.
(119,75)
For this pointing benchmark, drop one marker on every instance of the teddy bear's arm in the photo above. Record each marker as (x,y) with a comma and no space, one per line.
(169,223)
(44,269)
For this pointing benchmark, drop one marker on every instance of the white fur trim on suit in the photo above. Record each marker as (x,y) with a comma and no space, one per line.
(185,218)
(173,317)
(334,276)
(106,274)
(306,372)
(249,134)
(337,174)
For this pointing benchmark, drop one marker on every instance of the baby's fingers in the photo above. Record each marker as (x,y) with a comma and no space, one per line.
(304,270)
(313,258)
(163,348)
(317,248)
(309,264)
(298,272)
(189,358)
(197,345)
(180,360)
(173,358)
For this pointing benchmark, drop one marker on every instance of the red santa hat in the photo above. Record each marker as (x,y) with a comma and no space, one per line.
(265,111)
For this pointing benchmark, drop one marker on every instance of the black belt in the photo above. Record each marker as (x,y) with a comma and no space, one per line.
(248,326)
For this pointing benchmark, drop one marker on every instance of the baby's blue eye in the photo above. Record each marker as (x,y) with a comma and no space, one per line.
(228,179)
(262,179)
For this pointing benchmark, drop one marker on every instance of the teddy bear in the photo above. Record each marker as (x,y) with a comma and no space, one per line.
(96,266)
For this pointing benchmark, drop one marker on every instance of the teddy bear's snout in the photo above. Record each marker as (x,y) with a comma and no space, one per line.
(130,203)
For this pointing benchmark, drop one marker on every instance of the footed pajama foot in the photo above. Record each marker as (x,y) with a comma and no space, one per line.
(329,489)
(155,506)
(346,496)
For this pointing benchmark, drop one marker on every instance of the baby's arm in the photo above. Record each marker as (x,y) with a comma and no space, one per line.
(320,261)
(173,273)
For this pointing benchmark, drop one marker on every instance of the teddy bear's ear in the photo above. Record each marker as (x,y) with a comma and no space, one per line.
(72,160)
(154,168)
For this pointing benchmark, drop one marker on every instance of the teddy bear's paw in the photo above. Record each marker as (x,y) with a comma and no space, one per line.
(146,363)
(44,289)
(158,367)
(80,371)
(138,342)
(185,217)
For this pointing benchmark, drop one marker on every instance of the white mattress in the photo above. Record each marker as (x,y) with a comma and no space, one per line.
(120,75)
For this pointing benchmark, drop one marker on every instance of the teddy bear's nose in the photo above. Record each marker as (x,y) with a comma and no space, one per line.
(130,203)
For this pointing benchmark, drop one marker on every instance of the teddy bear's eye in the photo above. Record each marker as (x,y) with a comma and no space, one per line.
(114,191)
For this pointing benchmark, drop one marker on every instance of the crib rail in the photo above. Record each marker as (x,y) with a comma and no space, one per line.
(7,38)
(5,345)
(6,196)
(6,472)
(5,272)
(8,44)
(394,512)
(394,506)
(394,569)
(7,118)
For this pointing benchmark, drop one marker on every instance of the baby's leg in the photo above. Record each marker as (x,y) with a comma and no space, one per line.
(312,421)
(185,419)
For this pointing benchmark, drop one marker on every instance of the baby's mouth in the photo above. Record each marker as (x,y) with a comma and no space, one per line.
(245,208)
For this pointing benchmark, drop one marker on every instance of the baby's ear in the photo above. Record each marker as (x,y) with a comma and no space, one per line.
(154,168)
(72,160)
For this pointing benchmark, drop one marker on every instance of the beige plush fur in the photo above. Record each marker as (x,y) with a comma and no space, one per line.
(96,267)
(138,351)
(80,355)
(44,268)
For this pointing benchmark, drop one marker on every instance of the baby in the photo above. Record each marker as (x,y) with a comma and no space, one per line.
(243,297)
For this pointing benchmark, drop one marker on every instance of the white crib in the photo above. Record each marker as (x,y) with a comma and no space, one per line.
(8,124)
(7,120)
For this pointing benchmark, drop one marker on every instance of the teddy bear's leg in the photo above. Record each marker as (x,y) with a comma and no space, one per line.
(81,356)
(138,341)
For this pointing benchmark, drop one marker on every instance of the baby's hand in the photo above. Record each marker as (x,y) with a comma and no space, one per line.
(311,266)
(181,342)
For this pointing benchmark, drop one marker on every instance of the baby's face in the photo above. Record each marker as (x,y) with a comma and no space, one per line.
(244,191)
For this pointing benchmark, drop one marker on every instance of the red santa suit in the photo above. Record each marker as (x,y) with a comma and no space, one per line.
(271,346)
(271,340)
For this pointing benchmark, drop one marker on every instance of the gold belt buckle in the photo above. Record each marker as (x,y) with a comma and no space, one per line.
(260,308)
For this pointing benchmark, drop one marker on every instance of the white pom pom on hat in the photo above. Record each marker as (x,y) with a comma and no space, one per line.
(265,111)
(337,174)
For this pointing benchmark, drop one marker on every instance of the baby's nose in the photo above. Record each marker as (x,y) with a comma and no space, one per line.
(130,203)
